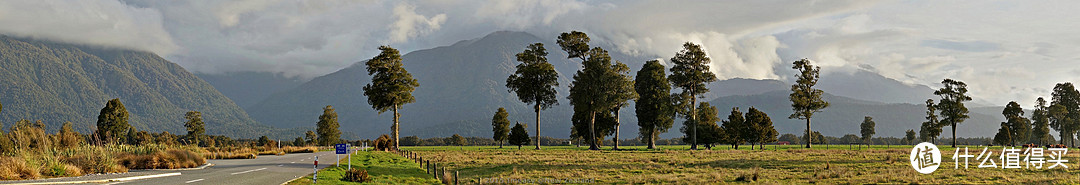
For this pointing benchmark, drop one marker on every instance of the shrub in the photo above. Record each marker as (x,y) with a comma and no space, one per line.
(357,175)
(384,143)
(12,168)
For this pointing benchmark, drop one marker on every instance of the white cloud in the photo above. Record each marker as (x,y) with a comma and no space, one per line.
(95,22)
(918,42)
(409,24)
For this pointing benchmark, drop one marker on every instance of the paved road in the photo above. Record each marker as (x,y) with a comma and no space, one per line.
(265,169)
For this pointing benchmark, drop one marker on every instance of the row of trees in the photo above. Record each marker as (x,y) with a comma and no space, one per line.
(112,128)
(1061,114)
(603,87)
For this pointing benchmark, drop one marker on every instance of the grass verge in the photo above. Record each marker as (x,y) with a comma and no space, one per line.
(382,167)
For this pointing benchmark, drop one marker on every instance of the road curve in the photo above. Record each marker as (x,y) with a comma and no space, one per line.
(266,169)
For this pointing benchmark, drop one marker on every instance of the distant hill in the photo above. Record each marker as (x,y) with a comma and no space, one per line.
(56,82)
(247,88)
(867,85)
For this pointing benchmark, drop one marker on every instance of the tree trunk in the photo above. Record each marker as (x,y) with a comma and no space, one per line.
(537,125)
(693,118)
(954,134)
(809,133)
(395,127)
(592,131)
(615,146)
(652,138)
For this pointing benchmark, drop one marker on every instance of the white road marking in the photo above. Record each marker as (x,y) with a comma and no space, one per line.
(243,172)
(196,180)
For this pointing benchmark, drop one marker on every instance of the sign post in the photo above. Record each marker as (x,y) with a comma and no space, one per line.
(340,149)
(350,157)
(315,173)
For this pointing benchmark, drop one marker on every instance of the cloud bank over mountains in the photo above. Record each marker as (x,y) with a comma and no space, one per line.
(1004,50)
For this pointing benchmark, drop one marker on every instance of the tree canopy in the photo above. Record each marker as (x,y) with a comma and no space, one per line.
(112,124)
(953,112)
(654,108)
(329,134)
(391,85)
(690,72)
(500,126)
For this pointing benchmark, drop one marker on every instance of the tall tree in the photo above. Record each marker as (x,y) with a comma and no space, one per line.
(298,142)
(112,124)
(690,72)
(518,135)
(953,112)
(1066,95)
(391,85)
(805,100)
(931,128)
(195,126)
(735,131)
(760,127)
(867,129)
(599,88)
(1041,122)
(1017,125)
(328,127)
(623,92)
(654,108)
(500,126)
(534,82)
(1003,135)
(708,132)
(909,136)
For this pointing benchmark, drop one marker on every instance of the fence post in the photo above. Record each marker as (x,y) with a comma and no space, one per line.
(455,177)
(435,171)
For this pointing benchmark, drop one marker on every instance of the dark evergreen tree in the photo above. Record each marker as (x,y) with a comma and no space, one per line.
(909,136)
(1017,125)
(112,124)
(931,128)
(534,83)
(264,141)
(761,127)
(458,140)
(298,142)
(391,86)
(518,135)
(328,127)
(500,126)
(1040,118)
(1067,117)
(654,108)
(866,128)
(195,127)
(708,131)
(311,137)
(805,100)
(735,129)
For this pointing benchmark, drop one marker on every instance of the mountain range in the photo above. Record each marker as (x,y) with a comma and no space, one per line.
(56,82)
(461,86)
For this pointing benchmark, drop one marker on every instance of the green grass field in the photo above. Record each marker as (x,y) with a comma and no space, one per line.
(383,167)
(783,164)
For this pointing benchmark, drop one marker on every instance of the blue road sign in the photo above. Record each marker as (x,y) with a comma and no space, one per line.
(341,148)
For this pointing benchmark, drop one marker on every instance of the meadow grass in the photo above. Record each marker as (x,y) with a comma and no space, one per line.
(382,167)
(782,164)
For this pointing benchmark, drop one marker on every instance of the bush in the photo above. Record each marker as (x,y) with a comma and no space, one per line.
(12,168)
(171,159)
(357,175)
(384,143)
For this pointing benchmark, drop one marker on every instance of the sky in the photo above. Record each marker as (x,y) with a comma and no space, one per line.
(1004,50)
